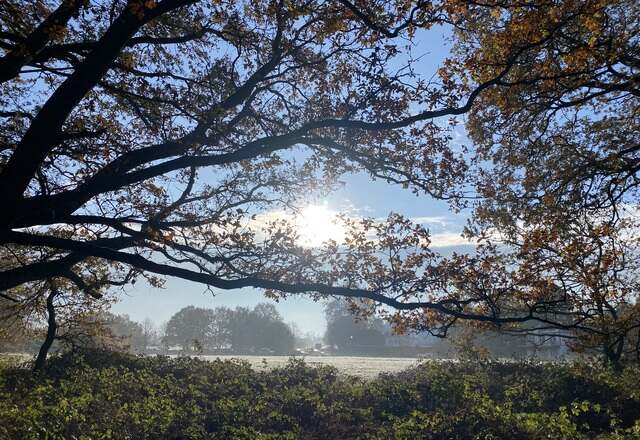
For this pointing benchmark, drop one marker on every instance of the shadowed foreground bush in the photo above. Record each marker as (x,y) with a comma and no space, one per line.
(103,395)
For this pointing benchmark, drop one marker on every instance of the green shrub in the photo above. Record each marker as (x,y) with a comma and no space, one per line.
(105,395)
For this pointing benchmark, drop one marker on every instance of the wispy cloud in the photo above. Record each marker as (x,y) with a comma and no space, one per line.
(431,220)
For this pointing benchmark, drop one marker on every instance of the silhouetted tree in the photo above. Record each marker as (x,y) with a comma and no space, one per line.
(243,330)
(220,327)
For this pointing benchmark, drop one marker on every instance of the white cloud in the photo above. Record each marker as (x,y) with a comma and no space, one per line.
(447,239)
(325,229)
(430,220)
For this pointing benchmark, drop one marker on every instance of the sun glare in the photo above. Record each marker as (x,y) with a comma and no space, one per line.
(318,224)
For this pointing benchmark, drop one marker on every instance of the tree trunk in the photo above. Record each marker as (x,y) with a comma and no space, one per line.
(51,333)
(613,353)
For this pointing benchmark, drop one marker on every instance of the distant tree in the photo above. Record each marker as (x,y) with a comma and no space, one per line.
(335,309)
(260,328)
(132,333)
(149,333)
(162,332)
(221,328)
(189,327)
(240,324)
(343,330)
(275,336)
(346,333)
(266,312)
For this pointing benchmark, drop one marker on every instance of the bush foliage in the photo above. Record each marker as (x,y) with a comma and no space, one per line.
(104,395)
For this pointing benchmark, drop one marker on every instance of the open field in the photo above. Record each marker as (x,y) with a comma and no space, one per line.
(362,366)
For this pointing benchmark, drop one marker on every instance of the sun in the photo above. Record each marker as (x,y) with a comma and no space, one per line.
(317,224)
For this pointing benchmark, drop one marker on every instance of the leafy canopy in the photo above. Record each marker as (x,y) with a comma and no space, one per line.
(141,138)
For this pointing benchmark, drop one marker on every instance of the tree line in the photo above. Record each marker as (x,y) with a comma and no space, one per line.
(375,337)
(260,330)
(191,330)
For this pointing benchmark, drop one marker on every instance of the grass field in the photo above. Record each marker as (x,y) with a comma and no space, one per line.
(361,366)
(367,367)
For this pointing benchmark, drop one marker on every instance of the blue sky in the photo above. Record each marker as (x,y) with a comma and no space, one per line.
(359,193)
(370,198)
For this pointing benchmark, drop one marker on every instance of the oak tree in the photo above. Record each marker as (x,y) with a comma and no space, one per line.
(556,158)
(143,137)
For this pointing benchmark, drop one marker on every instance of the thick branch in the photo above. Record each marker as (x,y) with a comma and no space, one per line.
(135,260)
(25,51)
(45,130)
